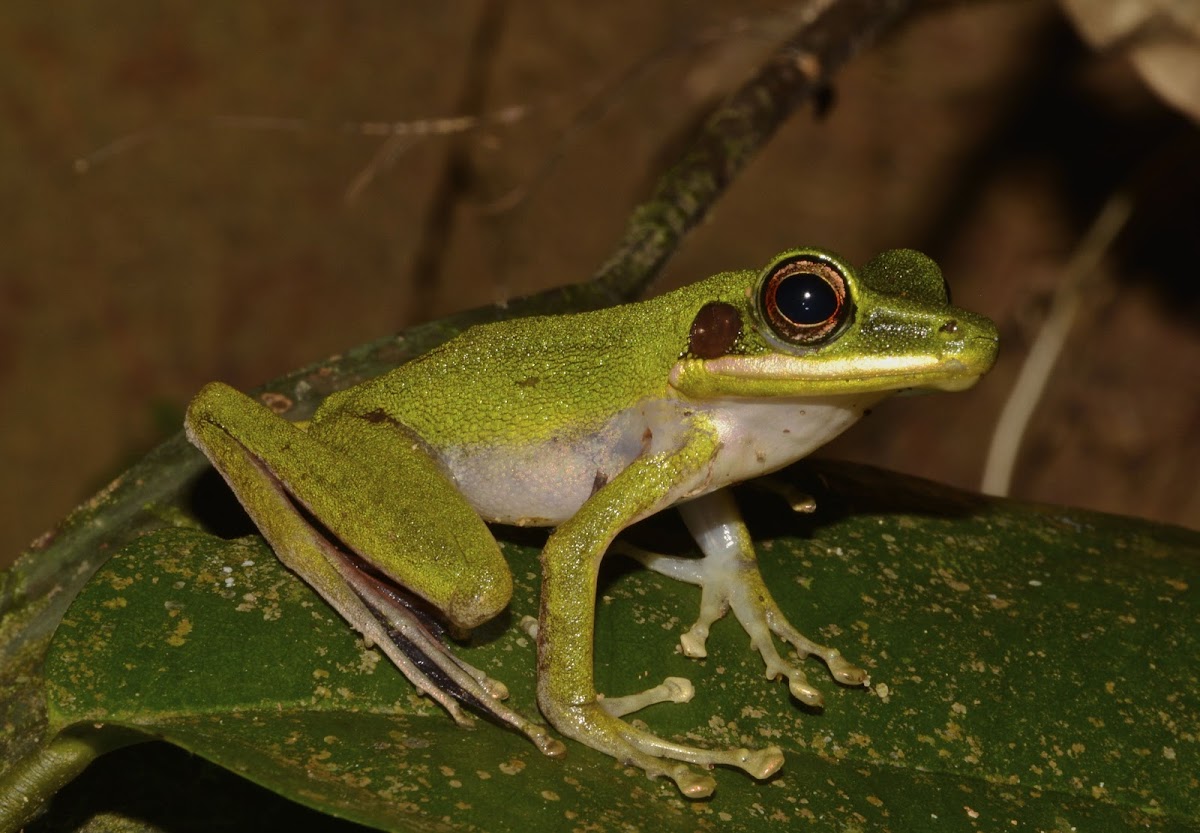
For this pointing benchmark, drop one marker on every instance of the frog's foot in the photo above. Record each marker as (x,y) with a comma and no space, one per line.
(670,690)
(732,582)
(409,638)
(592,725)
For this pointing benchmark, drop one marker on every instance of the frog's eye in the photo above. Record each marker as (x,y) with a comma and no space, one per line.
(804,300)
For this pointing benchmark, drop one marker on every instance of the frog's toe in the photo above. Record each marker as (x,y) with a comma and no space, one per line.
(694,641)
(670,690)
(840,669)
(763,763)
(852,676)
(547,744)
(804,692)
(691,783)
(844,671)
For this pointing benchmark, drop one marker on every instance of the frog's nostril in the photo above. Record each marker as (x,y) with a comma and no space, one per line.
(949,328)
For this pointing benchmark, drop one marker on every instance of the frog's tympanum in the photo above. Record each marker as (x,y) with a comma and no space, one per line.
(587,423)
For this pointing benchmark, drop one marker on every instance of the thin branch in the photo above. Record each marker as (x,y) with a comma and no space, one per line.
(1048,345)
(802,69)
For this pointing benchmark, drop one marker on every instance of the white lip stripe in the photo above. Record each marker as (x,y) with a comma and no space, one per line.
(797,368)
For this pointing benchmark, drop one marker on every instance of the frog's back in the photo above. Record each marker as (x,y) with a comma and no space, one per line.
(535,379)
(528,379)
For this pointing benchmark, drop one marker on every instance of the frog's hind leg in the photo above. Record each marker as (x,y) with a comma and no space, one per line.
(319,506)
(729,578)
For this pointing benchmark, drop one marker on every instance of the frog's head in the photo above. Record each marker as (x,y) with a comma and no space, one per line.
(808,324)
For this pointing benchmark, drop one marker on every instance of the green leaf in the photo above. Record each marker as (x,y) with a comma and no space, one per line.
(1032,668)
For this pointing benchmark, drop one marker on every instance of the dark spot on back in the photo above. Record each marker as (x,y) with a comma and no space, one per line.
(379,415)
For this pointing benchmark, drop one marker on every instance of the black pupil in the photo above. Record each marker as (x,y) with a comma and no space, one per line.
(806,299)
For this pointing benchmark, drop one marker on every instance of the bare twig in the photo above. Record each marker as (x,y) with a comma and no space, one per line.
(1047,346)
(831,32)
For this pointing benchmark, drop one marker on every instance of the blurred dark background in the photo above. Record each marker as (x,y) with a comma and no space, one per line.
(231,218)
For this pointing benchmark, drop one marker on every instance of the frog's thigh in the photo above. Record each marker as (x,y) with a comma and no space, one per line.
(369,485)
(408,519)
(275,468)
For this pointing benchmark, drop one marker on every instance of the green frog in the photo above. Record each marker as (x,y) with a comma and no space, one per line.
(588,423)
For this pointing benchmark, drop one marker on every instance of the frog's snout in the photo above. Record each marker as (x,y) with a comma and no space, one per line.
(971,340)
(969,346)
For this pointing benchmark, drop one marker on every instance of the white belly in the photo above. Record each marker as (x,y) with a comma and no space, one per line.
(543,484)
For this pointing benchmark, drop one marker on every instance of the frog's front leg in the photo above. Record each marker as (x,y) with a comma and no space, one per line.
(730,579)
(570,563)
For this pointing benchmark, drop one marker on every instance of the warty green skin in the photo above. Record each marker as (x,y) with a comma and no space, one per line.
(588,423)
